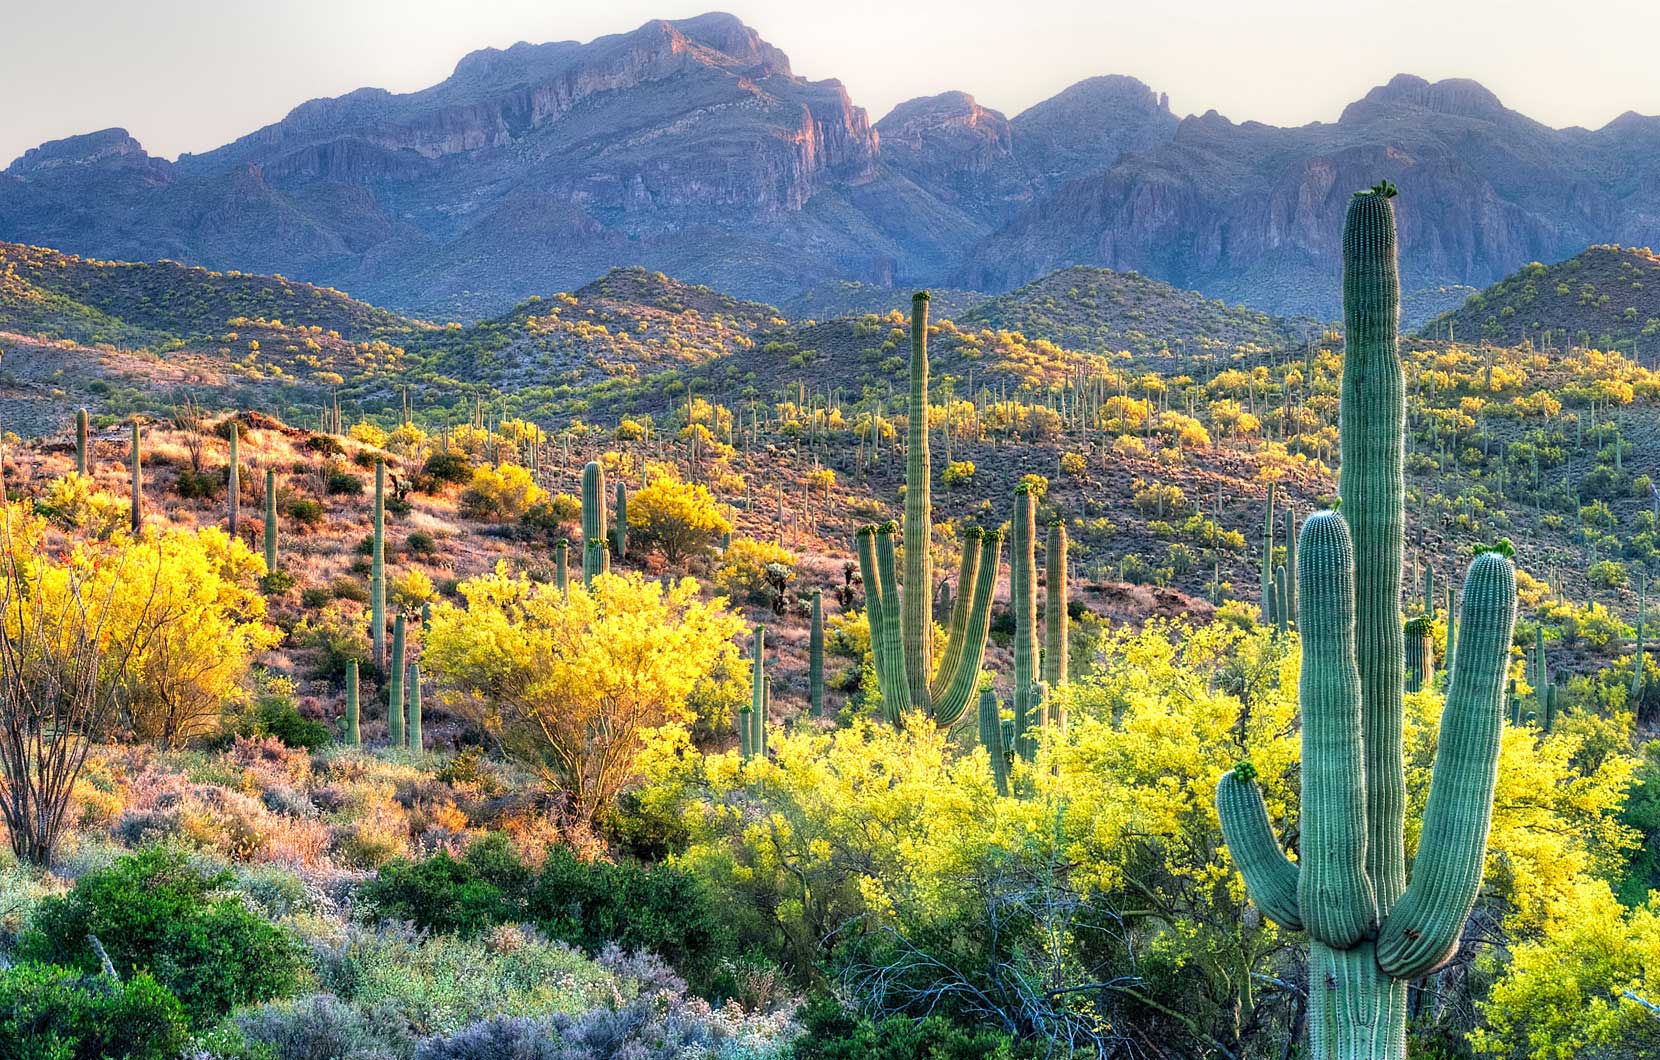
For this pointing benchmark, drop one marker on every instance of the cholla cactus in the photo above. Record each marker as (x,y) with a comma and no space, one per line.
(902,629)
(1371,931)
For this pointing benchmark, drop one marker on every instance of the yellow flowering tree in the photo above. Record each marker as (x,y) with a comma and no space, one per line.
(571,682)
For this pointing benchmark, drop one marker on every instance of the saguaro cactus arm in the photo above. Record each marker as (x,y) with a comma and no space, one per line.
(1334,893)
(1270,876)
(889,653)
(952,702)
(1423,931)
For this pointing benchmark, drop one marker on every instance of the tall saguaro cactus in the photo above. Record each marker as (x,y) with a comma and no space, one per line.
(1023,599)
(619,532)
(81,461)
(815,658)
(1055,619)
(137,502)
(412,705)
(902,624)
(595,546)
(233,481)
(1370,930)
(270,521)
(377,571)
(394,695)
(354,730)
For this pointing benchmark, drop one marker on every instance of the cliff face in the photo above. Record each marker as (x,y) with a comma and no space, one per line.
(691,147)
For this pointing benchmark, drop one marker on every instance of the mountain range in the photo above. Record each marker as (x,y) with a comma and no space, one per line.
(691,148)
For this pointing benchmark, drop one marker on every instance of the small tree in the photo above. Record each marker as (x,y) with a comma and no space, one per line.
(676,518)
(569,682)
(59,674)
(501,493)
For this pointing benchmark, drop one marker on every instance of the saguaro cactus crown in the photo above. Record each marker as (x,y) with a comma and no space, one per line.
(902,624)
(1370,930)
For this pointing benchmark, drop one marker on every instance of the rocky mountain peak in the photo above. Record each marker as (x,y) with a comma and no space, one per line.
(84,150)
(1454,96)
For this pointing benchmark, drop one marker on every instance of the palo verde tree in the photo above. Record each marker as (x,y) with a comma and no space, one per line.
(902,624)
(1370,930)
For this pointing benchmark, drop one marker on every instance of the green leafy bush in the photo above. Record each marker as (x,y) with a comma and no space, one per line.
(156,911)
(53,1013)
(830,1032)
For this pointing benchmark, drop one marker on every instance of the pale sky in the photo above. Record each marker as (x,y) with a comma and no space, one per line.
(189,75)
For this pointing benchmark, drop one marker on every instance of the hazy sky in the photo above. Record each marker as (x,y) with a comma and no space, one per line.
(188,75)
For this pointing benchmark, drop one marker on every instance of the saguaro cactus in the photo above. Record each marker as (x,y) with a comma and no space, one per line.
(815,658)
(902,629)
(1023,599)
(1420,654)
(354,730)
(594,542)
(1055,618)
(394,697)
(991,738)
(270,521)
(758,692)
(377,571)
(562,565)
(1371,932)
(137,502)
(80,441)
(233,482)
(619,533)
(412,705)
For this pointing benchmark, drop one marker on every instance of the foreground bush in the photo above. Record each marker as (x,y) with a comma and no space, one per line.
(53,1013)
(156,912)
(661,910)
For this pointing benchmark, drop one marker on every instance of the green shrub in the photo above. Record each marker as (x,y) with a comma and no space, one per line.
(306,512)
(663,910)
(156,911)
(450,467)
(830,1032)
(53,1013)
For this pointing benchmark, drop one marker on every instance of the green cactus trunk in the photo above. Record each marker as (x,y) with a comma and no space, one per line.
(619,533)
(1372,932)
(761,718)
(901,625)
(562,566)
(1269,610)
(81,461)
(991,738)
(1288,604)
(1023,597)
(412,705)
(758,690)
(354,728)
(595,542)
(1420,655)
(815,658)
(233,487)
(745,729)
(394,698)
(1056,651)
(270,541)
(377,572)
(136,502)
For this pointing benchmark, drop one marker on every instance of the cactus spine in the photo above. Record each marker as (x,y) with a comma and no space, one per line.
(270,541)
(394,698)
(815,658)
(137,501)
(354,730)
(619,533)
(1055,618)
(81,461)
(902,630)
(377,571)
(595,546)
(233,482)
(1371,930)
(991,738)
(412,702)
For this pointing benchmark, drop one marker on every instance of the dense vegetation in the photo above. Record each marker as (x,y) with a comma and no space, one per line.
(576,719)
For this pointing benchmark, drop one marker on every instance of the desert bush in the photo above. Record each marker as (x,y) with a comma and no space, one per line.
(676,518)
(501,493)
(322,1027)
(742,573)
(830,1032)
(53,1013)
(157,911)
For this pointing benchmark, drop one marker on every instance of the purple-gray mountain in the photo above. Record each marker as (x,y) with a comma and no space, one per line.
(689,147)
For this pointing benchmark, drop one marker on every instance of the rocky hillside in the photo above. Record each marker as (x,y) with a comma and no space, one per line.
(1102,311)
(1607,296)
(691,147)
